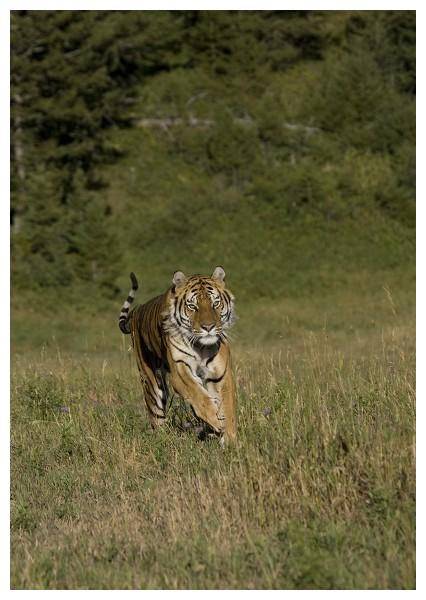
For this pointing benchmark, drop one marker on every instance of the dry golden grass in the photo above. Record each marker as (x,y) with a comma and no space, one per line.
(318,492)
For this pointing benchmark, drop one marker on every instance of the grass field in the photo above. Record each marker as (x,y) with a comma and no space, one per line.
(318,493)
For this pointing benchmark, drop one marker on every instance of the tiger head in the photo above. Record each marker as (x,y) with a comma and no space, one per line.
(201,308)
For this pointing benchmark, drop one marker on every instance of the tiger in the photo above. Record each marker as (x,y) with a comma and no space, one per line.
(181,338)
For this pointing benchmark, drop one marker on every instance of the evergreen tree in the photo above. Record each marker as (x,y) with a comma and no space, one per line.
(73,78)
(58,243)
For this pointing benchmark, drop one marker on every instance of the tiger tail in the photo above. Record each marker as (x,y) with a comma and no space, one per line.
(123,319)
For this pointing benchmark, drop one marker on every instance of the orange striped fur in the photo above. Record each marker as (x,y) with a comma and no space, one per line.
(180,341)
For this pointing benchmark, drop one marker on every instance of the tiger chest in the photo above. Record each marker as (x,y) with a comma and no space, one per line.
(201,364)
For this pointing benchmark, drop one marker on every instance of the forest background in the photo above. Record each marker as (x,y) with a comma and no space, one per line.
(280,142)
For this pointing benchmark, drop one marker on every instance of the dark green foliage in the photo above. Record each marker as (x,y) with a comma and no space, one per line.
(61,242)
(391,37)
(261,123)
(75,72)
(73,77)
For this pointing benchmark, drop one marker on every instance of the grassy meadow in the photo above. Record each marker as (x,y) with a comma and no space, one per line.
(318,493)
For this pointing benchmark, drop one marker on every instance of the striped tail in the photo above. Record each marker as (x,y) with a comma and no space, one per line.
(123,319)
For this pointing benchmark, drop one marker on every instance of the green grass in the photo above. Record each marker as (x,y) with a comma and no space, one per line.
(177,216)
(318,493)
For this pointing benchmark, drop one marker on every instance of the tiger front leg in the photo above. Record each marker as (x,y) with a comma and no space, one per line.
(224,390)
(206,407)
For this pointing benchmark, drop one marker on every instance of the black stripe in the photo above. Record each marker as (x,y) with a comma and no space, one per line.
(124,327)
(180,350)
(134,281)
(209,360)
(178,315)
(154,413)
(216,379)
(186,364)
(152,395)
(150,385)
(175,307)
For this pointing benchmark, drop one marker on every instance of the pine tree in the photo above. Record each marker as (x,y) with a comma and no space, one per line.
(73,78)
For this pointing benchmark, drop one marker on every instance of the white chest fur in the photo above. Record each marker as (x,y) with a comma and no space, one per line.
(202,361)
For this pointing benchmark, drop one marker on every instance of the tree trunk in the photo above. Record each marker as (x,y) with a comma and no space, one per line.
(18,160)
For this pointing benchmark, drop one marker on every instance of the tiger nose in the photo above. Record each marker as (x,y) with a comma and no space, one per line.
(208,327)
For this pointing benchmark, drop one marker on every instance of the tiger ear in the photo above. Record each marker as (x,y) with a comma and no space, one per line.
(219,274)
(179,279)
